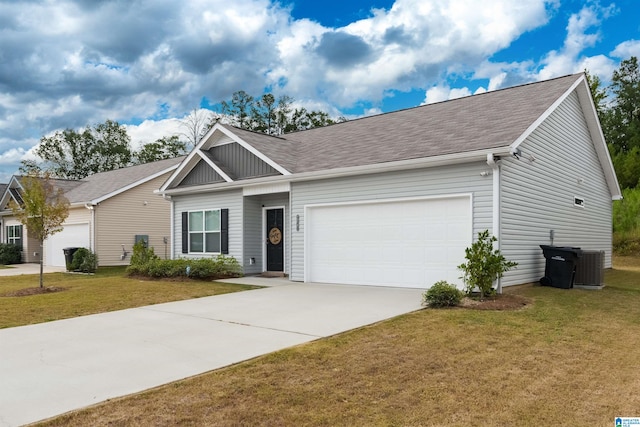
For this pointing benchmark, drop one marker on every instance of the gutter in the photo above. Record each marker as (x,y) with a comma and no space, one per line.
(422,162)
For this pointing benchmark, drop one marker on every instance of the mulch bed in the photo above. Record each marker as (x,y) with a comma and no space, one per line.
(496,302)
(33,291)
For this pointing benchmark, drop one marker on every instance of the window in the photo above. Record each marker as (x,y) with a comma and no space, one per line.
(14,235)
(578,201)
(204,231)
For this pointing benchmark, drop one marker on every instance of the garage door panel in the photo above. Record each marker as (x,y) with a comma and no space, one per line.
(72,235)
(405,243)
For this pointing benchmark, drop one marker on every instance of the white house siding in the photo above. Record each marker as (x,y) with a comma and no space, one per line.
(538,196)
(137,211)
(232,200)
(77,215)
(446,180)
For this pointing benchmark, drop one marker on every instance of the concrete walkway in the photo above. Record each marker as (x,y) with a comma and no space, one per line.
(52,368)
(18,269)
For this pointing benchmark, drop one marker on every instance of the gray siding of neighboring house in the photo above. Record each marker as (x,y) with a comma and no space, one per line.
(202,173)
(446,180)
(231,200)
(538,196)
(242,163)
(254,233)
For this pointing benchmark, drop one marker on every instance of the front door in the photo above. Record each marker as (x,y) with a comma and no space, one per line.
(275,239)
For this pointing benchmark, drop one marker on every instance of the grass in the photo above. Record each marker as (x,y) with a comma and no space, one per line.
(571,358)
(108,290)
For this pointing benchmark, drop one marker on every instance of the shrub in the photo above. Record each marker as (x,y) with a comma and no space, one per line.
(484,265)
(201,268)
(10,254)
(142,254)
(84,261)
(442,294)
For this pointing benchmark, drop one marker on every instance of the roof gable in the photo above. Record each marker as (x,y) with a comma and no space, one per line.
(232,154)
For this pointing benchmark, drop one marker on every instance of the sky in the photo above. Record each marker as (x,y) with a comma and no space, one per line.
(149,63)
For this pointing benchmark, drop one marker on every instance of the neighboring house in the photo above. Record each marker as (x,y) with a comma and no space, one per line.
(394,199)
(108,213)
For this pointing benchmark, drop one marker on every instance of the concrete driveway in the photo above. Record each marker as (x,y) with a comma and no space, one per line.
(18,269)
(52,368)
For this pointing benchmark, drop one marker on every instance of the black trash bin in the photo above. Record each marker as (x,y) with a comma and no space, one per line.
(560,268)
(68,256)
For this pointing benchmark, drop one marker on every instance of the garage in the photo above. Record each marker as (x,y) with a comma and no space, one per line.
(73,235)
(400,243)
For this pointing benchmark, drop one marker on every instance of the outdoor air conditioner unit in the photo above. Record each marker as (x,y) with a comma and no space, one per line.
(590,269)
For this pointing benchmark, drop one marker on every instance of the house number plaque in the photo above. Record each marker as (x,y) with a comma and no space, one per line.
(275,236)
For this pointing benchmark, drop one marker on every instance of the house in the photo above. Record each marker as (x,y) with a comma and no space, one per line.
(108,213)
(394,199)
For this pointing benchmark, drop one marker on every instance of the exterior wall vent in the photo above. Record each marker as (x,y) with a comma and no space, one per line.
(590,269)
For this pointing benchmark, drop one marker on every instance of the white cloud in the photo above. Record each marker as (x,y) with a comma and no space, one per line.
(73,63)
(152,130)
(627,49)
(570,58)
(403,48)
(443,93)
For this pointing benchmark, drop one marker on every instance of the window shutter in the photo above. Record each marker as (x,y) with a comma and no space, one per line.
(224,231)
(185,232)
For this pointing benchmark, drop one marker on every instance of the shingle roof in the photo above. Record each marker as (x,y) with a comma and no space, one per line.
(485,121)
(102,184)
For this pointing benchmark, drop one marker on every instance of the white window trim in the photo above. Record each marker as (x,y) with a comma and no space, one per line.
(13,239)
(204,232)
(578,202)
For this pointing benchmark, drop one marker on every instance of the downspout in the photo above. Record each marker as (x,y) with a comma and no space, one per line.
(172,230)
(92,231)
(492,161)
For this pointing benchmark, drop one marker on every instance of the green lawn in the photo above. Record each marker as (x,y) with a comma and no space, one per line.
(108,290)
(571,359)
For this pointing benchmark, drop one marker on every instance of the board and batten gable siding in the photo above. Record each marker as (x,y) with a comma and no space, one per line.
(426,182)
(231,200)
(242,163)
(538,196)
(202,173)
(77,215)
(137,211)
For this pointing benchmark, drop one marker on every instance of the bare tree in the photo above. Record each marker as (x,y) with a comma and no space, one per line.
(196,125)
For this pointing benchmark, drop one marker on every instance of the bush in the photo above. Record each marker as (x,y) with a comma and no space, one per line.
(142,254)
(484,265)
(10,254)
(84,261)
(201,268)
(442,294)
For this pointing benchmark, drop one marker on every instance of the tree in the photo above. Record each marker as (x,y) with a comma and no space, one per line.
(163,148)
(240,108)
(622,122)
(196,125)
(271,116)
(264,114)
(598,94)
(43,210)
(71,154)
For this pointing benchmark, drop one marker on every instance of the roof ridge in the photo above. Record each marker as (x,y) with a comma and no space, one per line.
(386,113)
